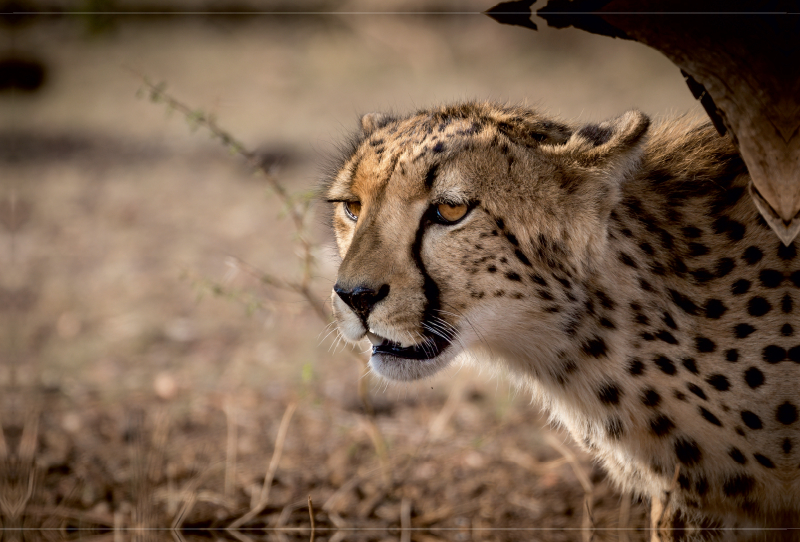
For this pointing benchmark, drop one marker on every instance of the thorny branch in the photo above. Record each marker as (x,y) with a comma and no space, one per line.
(299,211)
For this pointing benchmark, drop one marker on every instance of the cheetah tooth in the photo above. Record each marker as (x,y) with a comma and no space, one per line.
(374,339)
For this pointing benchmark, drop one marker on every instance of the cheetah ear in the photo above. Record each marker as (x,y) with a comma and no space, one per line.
(612,143)
(373,121)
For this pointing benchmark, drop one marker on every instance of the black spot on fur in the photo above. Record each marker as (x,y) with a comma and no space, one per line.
(650,397)
(492,269)
(521,257)
(739,485)
(513,276)
(701,275)
(786,413)
(701,486)
(690,365)
(605,322)
(786,304)
(687,451)
(595,347)
(752,255)
(604,300)
(609,394)
(737,455)
(544,294)
(741,286)
(787,252)
(770,278)
(773,354)
(677,266)
(538,279)
(753,377)
(665,364)
(647,249)
(666,336)
(786,446)
(683,302)
(692,232)
(734,230)
(438,148)
(704,344)
(765,461)
(794,354)
(751,420)
(741,331)
(667,318)
(697,390)
(661,425)
(718,381)
(679,395)
(627,260)
(787,330)
(715,309)
(732,355)
(724,266)
(758,306)
(709,417)
(636,367)
(697,249)
(795,278)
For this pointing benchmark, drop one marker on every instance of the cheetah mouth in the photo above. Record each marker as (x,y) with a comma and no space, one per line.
(431,347)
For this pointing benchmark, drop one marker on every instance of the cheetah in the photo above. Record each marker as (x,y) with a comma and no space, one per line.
(618,270)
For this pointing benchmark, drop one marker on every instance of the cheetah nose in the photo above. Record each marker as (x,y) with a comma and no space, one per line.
(361,298)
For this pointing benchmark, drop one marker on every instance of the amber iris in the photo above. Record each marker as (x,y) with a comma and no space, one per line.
(352,208)
(451,213)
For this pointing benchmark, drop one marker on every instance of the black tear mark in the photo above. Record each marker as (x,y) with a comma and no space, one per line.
(430,176)
(430,288)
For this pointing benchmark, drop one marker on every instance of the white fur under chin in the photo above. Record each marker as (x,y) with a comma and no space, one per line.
(406,370)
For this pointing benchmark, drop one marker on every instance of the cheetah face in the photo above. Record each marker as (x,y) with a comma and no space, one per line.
(440,220)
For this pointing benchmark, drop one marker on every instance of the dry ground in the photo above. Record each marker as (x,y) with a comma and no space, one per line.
(146,370)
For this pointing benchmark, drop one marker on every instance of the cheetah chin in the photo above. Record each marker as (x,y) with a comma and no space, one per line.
(405,363)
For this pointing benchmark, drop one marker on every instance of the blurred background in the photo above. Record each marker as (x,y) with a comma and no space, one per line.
(147,365)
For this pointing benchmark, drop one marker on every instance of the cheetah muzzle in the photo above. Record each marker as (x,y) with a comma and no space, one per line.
(618,270)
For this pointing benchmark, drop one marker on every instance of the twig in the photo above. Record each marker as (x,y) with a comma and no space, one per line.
(231,447)
(189,495)
(405,520)
(198,118)
(273,466)
(588,519)
(311,516)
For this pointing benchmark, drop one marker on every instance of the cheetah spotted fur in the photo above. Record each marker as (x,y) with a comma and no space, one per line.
(618,270)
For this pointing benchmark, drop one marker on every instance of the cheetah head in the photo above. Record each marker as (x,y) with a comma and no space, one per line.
(447,221)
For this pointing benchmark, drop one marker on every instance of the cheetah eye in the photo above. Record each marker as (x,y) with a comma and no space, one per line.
(450,214)
(352,209)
